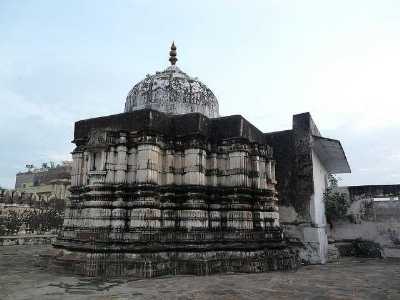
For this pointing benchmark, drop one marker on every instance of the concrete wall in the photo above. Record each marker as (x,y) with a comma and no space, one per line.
(320,175)
(316,235)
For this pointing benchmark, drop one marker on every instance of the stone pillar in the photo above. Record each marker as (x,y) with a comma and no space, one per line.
(74,171)
(255,171)
(212,170)
(110,165)
(77,166)
(122,164)
(222,167)
(132,165)
(194,166)
(268,170)
(237,169)
(85,168)
(179,158)
(169,167)
(148,161)
(273,177)
(263,173)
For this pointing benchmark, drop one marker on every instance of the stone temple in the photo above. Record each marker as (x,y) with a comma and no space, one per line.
(171,187)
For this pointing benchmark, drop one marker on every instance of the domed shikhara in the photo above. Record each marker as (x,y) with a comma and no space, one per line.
(173,92)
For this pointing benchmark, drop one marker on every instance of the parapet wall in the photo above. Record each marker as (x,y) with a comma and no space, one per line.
(27,240)
(372,216)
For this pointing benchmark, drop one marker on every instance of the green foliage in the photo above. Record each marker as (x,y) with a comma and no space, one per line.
(336,203)
(360,248)
(364,248)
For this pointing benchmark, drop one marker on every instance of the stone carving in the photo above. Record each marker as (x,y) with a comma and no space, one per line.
(158,191)
(96,138)
(173,204)
(174,92)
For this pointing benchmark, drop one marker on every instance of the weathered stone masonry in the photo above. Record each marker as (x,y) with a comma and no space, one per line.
(169,187)
(156,194)
(304,159)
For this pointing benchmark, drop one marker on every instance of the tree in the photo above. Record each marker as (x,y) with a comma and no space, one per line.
(336,203)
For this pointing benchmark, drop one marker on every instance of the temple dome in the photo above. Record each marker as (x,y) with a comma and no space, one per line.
(173,92)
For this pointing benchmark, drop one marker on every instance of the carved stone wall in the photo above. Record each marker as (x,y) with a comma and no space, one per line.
(167,199)
(174,92)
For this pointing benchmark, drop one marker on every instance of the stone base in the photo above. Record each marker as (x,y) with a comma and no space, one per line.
(170,263)
(316,245)
(333,253)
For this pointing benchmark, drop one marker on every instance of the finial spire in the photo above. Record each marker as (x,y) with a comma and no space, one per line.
(172,54)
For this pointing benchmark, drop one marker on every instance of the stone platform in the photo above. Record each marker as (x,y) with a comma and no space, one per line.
(350,278)
(149,265)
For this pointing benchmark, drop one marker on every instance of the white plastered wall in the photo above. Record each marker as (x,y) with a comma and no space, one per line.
(315,236)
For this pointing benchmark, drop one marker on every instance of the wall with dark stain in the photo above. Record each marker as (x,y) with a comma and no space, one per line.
(299,175)
(294,165)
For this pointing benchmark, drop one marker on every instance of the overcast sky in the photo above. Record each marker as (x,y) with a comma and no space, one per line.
(62,61)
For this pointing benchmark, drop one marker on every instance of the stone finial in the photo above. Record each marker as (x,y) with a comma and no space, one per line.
(172,54)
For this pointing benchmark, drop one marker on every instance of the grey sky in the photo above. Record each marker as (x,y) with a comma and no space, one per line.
(70,60)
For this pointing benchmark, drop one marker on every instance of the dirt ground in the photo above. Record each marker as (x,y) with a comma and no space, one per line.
(350,278)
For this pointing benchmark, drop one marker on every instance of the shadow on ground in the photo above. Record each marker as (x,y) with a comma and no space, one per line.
(350,278)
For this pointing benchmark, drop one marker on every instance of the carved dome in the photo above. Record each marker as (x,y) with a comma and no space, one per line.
(172,91)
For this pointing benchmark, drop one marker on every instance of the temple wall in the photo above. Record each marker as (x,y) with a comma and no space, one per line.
(157,194)
(316,235)
(301,181)
(320,176)
(152,164)
(140,160)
